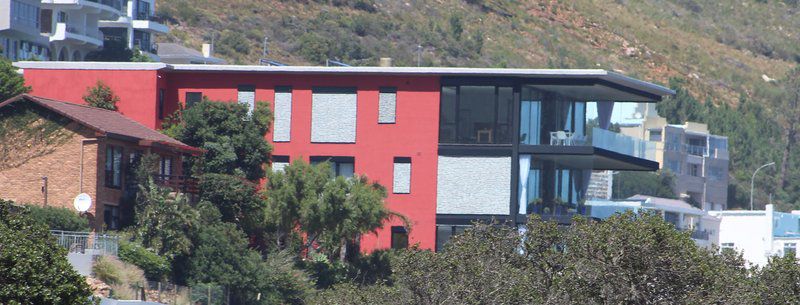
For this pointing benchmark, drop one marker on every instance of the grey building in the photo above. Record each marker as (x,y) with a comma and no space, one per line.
(698,159)
(20,38)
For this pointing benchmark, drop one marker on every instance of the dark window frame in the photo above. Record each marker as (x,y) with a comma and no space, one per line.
(113,170)
(496,122)
(190,98)
(382,90)
(399,238)
(161,94)
(335,161)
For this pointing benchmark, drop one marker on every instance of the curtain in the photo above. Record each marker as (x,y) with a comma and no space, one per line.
(524,170)
(604,110)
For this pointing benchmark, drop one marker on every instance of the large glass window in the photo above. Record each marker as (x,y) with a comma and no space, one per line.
(476,114)
(548,118)
(340,166)
(550,189)
(113,170)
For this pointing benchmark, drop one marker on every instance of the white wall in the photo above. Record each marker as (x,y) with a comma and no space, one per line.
(751,233)
(473,185)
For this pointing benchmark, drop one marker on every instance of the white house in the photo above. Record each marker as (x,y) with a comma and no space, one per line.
(705,229)
(759,234)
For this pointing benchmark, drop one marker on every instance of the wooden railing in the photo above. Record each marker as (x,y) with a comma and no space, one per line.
(183,184)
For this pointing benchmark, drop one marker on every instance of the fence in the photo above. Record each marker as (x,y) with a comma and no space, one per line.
(80,242)
(168,293)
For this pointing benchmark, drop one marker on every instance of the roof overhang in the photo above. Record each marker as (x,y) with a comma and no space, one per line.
(588,157)
(597,83)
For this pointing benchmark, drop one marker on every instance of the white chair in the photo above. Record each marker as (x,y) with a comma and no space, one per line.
(559,138)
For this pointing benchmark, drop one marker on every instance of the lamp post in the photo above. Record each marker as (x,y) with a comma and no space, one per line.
(752,180)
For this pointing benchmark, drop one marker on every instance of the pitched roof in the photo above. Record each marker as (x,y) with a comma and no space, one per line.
(104,121)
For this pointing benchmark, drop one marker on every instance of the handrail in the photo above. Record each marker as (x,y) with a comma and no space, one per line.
(80,242)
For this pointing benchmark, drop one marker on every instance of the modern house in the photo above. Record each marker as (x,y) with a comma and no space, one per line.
(704,229)
(136,26)
(55,150)
(759,235)
(452,145)
(698,159)
(67,30)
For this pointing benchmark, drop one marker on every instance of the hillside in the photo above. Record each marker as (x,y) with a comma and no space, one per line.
(718,52)
(722,47)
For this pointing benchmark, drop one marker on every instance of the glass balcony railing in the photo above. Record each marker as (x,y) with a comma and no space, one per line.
(623,144)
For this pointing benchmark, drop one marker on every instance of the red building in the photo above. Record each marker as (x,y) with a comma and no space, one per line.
(452,145)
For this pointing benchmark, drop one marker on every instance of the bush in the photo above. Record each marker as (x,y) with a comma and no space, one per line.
(155,267)
(111,270)
(58,218)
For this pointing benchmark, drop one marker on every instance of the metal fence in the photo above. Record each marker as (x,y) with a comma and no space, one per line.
(81,242)
(168,293)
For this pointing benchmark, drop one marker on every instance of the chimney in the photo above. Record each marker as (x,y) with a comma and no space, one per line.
(208,50)
(385,62)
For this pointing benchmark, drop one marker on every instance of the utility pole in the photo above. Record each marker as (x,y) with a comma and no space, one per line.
(419,55)
(265,51)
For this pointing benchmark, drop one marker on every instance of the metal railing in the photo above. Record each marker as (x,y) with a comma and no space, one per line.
(82,242)
(697,150)
(184,184)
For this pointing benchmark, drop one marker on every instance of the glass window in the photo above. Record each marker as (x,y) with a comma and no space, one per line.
(726,246)
(193,98)
(655,135)
(165,167)
(443,234)
(340,166)
(113,170)
(789,249)
(111,217)
(476,115)
(399,238)
(161,103)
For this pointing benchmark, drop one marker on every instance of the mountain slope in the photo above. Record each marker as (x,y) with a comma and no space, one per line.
(722,47)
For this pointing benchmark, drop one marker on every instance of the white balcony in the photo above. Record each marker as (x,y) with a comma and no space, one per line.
(121,22)
(150,26)
(70,34)
(108,9)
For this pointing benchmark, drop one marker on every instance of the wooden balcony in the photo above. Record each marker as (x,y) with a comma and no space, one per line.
(183,184)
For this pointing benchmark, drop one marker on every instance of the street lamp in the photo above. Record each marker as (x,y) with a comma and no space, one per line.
(752,179)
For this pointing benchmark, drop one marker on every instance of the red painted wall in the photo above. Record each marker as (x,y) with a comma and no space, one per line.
(136,89)
(415,134)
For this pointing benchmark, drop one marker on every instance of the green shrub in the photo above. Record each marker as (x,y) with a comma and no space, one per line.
(58,218)
(155,267)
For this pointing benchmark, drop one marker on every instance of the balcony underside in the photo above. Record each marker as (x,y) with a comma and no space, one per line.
(588,157)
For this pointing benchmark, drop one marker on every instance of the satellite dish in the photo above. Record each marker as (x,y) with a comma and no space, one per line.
(82,202)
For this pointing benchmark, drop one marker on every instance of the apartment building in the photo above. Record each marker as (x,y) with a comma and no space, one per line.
(452,145)
(68,30)
(759,235)
(698,159)
(704,229)
(80,149)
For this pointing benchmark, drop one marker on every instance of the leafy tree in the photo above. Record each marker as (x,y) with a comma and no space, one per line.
(101,96)
(233,139)
(33,268)
(56,218)
(787,115)
(237,199)
(681,108)
(330,212)
(117,51)
(11,82)
(659,184)
(779,281)
(155,267)
(165,221)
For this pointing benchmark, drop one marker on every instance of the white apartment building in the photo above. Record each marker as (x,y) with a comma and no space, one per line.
(758,235)
(705,230)
(68,30)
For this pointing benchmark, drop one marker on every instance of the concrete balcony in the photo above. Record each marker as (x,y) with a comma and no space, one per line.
(107,9)
(150,26)
(70,34)
(121,22)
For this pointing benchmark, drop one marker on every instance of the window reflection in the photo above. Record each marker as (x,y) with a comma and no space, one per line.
(547,188)
(476,114)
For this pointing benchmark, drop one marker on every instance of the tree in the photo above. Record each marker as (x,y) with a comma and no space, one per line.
(787,114)
(779,281)
(237,199)
(659,184)
(329,212)
(11,82)
(33,268)
(233,139)
(682,107)
(101,96)
(117,51)
(165,221)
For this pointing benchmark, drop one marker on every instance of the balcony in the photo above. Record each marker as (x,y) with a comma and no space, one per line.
(108,9)
(178,183)
(65,32)
(623,144)
(86,242)
(150,26)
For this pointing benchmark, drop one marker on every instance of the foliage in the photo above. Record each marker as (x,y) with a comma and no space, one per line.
(155,267)
(659,184)
(681,108)
(33,268)
(237,199)
(36,131)
(56,218)
(164,221)
(139,56)
(234,146)
(11,82)
(113,50)
(627,259)
(331,213)
(779,281)
(111,270)
(101,96)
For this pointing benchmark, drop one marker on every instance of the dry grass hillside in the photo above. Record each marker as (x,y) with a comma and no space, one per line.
(723,48)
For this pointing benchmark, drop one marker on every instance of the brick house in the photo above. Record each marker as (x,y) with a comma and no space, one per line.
(52,151)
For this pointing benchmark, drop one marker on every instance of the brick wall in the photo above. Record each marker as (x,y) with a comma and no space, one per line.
(61,166)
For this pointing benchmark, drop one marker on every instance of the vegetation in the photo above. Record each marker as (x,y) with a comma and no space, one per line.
(659,184)
(627,259)
(33,268)
(101,96)
(11,82)
(122,277)
(154,266)
(117,51)
(56,218)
